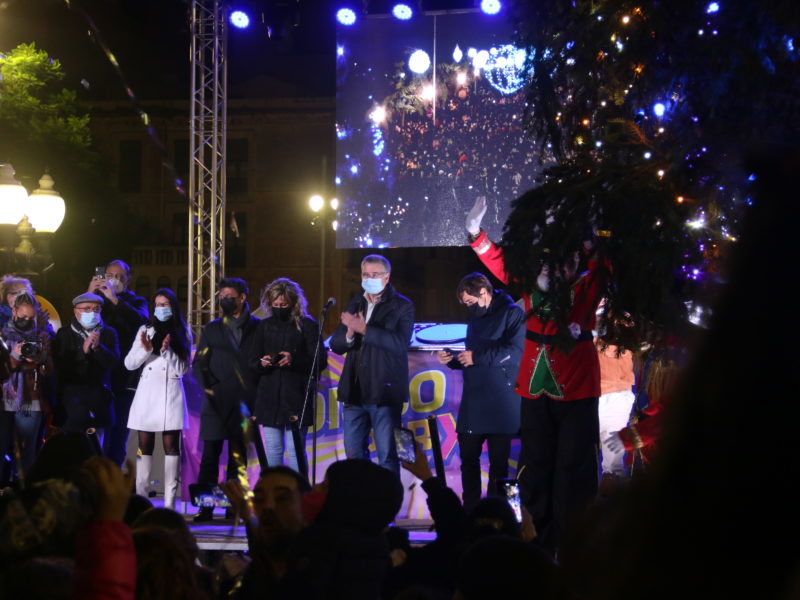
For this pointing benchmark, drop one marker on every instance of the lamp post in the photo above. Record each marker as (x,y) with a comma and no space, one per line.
(320,207)
(42,212)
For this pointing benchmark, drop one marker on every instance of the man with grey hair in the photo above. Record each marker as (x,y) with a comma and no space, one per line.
(374,333)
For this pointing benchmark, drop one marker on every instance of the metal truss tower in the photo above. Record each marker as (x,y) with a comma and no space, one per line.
(207,145)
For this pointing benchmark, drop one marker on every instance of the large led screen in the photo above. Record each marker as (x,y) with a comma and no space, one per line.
(429,116)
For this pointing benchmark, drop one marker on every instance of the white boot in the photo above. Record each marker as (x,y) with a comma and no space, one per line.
(172,479)
(144,467)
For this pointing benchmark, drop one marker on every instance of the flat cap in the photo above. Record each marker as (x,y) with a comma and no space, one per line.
(87,297)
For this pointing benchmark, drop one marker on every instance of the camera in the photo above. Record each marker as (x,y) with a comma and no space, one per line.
(30,349)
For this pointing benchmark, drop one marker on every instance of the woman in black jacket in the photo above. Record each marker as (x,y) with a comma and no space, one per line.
(489,406)
(286,340)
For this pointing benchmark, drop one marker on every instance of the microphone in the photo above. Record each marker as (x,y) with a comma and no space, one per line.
(328,304)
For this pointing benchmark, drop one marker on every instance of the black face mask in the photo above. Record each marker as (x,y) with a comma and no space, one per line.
(228,306)
(282,314)
(477,311)
(23,324)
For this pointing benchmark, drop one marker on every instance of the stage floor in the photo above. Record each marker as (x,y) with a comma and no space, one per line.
(221,534)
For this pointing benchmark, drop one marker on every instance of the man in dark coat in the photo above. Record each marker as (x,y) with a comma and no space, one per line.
(490,409)
(222,366)
(125,312)
(375,332)
(86,352)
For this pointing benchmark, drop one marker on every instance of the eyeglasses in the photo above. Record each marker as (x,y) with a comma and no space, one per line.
(373,275)
(88,309)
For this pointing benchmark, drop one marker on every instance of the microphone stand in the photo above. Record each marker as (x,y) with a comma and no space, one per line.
(311,387)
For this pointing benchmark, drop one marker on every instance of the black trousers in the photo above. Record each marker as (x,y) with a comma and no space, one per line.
(470,445)
(209,462)
(559,456)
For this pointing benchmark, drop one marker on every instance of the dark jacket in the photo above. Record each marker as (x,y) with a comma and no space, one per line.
(281,390)
(84,380)
(223,369)
(488,402)
(126,316)
(379,359)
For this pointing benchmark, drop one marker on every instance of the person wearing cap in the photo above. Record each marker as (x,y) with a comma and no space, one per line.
(86,351)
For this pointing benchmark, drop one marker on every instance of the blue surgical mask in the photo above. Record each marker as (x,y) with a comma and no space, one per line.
(372,286)
(90,320)
(163,313)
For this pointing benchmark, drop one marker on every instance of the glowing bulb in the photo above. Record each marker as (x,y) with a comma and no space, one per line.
(419,61)
(626,19)
(659,109)
(378,115)
(461,78)
(402,11)
(316,202)
(491,7)
(647,155)
(427,92)
(712,7)
(335,203)
(239,19)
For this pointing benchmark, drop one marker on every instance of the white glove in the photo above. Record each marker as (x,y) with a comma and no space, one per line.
(614,443)
(574,330)
(475,215)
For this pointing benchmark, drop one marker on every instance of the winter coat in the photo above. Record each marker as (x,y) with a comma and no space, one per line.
(224,370)
(84,380)
(496,339)
(160,401)
(379,359)
(281,390)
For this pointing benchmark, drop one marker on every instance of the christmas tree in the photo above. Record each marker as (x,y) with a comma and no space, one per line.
(648,111)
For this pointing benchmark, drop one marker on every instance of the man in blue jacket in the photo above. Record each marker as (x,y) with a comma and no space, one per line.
(374,334)
(490,409)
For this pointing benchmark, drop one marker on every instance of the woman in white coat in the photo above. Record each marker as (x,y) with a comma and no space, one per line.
(161,350)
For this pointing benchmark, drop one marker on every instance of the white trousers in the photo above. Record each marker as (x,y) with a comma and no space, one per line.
(613,410)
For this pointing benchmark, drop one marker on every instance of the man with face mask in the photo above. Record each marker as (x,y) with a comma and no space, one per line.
(374,333)
(489,410)
(86,352)
(126,312)
(560,388)
(222,366)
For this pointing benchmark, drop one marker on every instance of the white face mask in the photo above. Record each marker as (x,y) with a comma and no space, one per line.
(90,320)
(543,282)
(372,286)
(116,285)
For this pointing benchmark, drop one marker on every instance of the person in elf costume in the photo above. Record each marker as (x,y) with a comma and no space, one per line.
(559,381)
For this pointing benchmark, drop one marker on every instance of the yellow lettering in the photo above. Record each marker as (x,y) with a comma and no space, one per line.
(439,382)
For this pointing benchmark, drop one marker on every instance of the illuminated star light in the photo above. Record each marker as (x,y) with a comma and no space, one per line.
(419,61)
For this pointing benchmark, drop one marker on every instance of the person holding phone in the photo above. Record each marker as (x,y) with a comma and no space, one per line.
(287,338)
(490,408)
(161,351)
(126,312)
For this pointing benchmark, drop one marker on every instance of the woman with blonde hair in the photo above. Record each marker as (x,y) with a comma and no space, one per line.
(287,339)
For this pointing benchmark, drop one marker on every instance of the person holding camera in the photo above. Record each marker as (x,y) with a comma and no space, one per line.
(161,350)
(25,400)
(287,340)
(126,312)
(85,353)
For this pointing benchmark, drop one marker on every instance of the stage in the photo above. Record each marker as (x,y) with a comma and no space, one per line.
(223,536)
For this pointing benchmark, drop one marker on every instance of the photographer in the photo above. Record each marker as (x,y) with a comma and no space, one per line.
(24,401)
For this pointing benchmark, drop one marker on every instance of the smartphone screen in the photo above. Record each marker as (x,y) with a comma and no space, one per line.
(100,272)
(510,489)
(404,442)
(208,496)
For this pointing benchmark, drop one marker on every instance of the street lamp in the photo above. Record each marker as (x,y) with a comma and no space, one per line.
(13,197)
(317,204)
(45,207)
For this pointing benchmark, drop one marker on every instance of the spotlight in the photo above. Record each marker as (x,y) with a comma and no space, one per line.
(491,7)
(712,8)
(402,11)
(239,19)
(659,109)
(346,16)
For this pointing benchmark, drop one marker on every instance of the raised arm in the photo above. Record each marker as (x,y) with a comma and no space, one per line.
(489,253)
